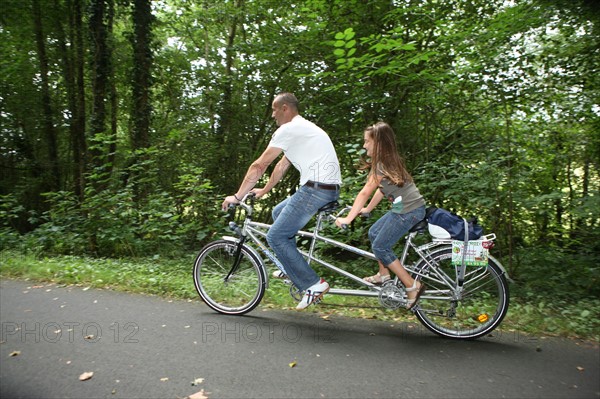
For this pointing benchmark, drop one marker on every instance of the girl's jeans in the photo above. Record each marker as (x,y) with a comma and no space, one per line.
(388,230)
(289,217)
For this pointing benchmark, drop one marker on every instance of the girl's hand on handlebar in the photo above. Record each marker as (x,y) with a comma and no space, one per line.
(342,223)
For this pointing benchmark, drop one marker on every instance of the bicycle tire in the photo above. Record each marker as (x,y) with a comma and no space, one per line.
(475,312)
(243,291)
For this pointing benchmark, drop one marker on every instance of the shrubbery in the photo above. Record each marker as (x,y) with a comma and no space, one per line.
(112,223)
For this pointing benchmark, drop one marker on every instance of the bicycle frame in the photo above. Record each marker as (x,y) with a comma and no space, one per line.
(252,231)
(458,302)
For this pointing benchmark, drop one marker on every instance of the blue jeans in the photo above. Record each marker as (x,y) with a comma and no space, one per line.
(388,230)
(289,217)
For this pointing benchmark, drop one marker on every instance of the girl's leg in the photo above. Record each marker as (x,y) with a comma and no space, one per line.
(381,277)
(414,289)
(405,278)
(384,234)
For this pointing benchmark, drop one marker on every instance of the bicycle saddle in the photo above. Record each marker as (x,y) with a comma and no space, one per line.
(329,207)
(421,226)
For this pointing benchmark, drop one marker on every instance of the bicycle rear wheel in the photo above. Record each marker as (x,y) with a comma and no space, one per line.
(226,291)
(467,313)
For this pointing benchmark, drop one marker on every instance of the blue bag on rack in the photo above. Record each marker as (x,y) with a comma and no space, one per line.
(453,224)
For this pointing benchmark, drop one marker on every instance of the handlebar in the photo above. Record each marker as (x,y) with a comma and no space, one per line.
(252,196)
(247,207)
(344,210)
(242,202)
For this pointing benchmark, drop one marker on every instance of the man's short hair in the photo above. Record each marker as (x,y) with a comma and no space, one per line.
(287,98)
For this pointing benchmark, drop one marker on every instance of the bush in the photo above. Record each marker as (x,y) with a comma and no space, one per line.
(9,212)
(112,222)
(557,274)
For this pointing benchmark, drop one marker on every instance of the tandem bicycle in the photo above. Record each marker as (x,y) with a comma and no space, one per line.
(460,301)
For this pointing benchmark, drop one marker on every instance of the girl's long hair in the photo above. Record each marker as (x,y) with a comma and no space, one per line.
(385,158)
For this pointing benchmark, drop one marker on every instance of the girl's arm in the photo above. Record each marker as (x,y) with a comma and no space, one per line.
(377,197)
(361,199)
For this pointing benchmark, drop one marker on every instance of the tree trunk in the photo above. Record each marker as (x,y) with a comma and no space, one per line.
(79,141)
(112,150)
(142,109)
(100,73)
(71,69)
(510,181)
(142,62)
(226,138)
(49,130)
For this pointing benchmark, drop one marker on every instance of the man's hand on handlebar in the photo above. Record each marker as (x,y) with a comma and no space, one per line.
(232,200)
(229,200)
(259,192)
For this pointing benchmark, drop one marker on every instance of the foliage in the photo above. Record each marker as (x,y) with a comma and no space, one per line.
(148,276)
(111,222)
(560,275)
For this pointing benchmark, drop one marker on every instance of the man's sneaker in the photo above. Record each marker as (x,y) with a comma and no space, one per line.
(313,294)
(279,274)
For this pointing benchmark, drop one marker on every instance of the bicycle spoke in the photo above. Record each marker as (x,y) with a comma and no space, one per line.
(465,312)
(239,293)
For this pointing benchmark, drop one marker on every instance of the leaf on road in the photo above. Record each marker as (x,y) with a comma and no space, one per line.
(14,353)
(86,376)
(197,381)
(198,395)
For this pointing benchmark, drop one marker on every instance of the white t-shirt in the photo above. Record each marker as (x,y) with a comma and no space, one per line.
(309,149)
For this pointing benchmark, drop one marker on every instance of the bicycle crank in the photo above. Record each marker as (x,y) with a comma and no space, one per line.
(390,296)
(296,293)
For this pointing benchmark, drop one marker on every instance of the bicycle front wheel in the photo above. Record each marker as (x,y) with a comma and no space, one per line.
(465,313)
(224,284)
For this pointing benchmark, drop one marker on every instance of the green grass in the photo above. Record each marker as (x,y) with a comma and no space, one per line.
(173,278)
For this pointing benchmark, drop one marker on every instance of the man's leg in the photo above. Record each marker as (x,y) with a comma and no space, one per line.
(296,213)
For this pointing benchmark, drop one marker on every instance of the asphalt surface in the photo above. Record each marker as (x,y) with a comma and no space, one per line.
(140,346)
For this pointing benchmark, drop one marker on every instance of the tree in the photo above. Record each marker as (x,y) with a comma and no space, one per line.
(142,77)
(53,180)
(101,73)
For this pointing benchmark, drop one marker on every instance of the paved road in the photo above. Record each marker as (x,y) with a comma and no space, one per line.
(148,347)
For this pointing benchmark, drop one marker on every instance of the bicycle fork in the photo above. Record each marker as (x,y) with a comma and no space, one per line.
(236,261)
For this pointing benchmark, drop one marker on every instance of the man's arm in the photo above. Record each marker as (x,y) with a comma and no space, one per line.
(255,172)
(280,170)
